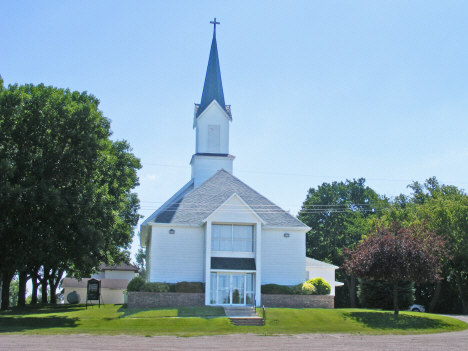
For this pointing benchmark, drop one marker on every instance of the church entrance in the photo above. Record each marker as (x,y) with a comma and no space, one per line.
(235,289)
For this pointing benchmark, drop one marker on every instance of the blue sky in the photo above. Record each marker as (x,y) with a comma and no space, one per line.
(320,91)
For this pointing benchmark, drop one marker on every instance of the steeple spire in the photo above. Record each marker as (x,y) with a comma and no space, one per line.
(213,87)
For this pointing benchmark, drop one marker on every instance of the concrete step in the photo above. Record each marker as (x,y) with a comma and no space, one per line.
(240,311)
(252,321)
(244,315)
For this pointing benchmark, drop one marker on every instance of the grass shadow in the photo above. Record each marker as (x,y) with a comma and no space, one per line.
(385,321)
(147,312)
(41,309)
(200,311)
(19,324)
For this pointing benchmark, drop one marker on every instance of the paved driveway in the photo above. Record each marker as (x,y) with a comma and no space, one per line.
(444,341)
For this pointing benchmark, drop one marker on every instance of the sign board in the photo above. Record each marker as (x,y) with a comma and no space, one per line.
(93,291)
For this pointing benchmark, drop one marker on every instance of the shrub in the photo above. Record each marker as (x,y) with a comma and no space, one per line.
(303,289)
(378,294)
(155,287)
(276,289)
(135,284)
(189,287)
(321,286)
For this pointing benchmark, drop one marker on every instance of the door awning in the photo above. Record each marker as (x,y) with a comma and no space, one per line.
(233,263)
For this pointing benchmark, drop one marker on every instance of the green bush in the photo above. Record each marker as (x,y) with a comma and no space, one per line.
(303,289)
(155,287)
(321,286)
(189,287)
(135,284)
(378,294)
(276,289)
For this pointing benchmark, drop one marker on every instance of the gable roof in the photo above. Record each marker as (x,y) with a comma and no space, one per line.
(194,207)
(310,262)
(220,208)
(121,267)
(105,283)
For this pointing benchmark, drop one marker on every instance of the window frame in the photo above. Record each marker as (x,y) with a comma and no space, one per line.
(232,239)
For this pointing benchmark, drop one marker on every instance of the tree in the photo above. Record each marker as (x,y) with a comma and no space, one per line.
(140,257)
(398,254)
(65,187)
(444,209)
(378,294)
(337,214)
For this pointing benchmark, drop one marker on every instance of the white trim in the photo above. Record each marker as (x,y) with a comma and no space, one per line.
(233,254)
(175,225)
(214,156)
(299,229)
(224,203)
(195,118)
(232,271)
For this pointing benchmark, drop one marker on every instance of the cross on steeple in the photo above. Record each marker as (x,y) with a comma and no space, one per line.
(214,23)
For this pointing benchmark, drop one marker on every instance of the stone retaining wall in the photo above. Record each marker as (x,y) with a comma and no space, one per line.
(298,301)
(162,299)
(149,299)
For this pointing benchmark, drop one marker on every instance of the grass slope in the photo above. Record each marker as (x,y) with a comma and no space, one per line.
(196,321)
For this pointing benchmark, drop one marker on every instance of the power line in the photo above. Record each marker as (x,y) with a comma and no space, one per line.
(297,174)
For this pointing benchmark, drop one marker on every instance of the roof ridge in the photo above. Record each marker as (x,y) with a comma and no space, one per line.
(255,191)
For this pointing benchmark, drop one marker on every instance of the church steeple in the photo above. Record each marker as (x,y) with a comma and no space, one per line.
(213,87)
(211,121)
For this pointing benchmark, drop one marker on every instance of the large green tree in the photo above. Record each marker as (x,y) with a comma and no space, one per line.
(444,210)
(65,186)
(337,213)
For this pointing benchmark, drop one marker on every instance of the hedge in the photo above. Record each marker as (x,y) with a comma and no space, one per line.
(189,287)
(276,289)
(155,287)
(135,284)
(321,286)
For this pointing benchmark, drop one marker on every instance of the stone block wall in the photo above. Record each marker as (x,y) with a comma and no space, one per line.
(298,301)
(150,299)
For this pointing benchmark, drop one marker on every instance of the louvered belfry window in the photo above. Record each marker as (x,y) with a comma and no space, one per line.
(214,138)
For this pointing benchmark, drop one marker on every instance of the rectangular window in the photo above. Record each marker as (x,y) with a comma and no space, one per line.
(228,237)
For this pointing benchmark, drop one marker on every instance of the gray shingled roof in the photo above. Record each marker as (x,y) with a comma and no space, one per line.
(121,267)
(311,262)
(105,283)
(198,204)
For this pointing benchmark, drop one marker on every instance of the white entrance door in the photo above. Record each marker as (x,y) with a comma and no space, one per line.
(232,289)
(238,289)
(224,289)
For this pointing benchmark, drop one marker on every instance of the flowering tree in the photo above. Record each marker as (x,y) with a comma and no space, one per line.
(398,254)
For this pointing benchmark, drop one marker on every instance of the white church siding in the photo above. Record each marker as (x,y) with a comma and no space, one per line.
(177,257)
(212,116)
(283,258)
(203,166)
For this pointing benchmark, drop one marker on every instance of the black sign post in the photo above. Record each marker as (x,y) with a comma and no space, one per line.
(93,292)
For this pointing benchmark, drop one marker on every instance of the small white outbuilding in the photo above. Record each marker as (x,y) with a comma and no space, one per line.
(326,271)
(114,281)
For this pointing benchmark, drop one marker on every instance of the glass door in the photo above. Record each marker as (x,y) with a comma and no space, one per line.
(232,289)
(224,289)
(238,289)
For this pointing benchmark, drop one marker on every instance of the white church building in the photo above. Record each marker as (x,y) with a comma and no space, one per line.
(216,229)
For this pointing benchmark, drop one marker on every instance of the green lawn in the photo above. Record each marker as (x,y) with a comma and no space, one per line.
(195,321)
